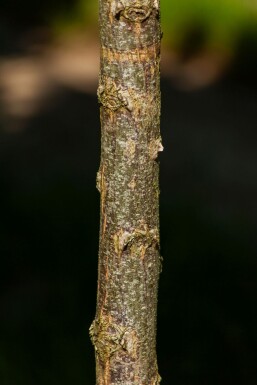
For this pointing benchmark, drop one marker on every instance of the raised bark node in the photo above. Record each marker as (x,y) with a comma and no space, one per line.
(107,337)
(139,239)
(155,147)
(136,11)
(112,96)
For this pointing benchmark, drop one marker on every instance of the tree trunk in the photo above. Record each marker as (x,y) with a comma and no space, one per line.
(124,329)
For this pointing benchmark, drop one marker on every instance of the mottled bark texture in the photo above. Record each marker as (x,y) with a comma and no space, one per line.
(124,329)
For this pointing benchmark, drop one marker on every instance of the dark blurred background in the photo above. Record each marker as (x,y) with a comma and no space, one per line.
(49,206)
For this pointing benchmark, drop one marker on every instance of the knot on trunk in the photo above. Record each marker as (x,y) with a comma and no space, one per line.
(106,336)
(136,14)
(139,239)
(111,96)
(136,11)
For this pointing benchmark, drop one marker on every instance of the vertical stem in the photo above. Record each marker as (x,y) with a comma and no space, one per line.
(124,329)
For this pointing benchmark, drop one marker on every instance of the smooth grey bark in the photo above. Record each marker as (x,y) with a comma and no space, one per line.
(124,329)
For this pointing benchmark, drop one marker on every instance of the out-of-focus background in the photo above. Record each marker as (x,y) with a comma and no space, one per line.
(49,155)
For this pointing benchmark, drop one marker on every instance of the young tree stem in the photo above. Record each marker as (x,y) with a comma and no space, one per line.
(124,329)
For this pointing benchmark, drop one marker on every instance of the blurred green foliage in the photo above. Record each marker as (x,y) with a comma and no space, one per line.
(82,15)
(187,24)
(218,24)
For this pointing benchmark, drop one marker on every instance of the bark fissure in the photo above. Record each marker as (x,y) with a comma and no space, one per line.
(124,329)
